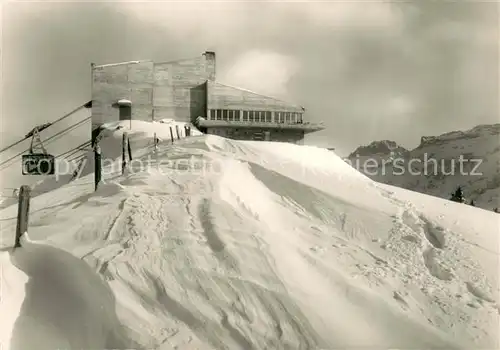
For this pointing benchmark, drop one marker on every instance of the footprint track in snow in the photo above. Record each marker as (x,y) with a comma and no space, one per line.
(429,237)
(419,224)
(434,234)
(434,267)
(478,292)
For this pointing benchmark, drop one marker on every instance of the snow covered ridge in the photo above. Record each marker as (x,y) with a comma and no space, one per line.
(442,163)
(286,246)
(477,131)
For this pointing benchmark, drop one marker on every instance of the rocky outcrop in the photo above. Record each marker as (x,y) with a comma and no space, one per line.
(384,147)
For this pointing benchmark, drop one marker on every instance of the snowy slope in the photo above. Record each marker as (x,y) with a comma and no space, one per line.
(211,243)
(434,166)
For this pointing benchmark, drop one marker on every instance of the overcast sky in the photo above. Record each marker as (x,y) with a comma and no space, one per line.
(369,70)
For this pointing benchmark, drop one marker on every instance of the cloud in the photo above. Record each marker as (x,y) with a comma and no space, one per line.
(264,72)
(189,20)
(354,14)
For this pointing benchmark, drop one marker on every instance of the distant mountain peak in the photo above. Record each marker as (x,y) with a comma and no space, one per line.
(382,147)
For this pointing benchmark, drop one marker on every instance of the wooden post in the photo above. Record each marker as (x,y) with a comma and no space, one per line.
(124,152)
(98,168)
(171,135)
(22,214)
(129,150)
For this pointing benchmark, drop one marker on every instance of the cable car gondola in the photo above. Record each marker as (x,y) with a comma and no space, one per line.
(37,162)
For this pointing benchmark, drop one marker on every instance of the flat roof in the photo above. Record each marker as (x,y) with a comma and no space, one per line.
(119,63)
(289,103)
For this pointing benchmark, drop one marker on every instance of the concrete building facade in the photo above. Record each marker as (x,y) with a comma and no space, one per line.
(186,90)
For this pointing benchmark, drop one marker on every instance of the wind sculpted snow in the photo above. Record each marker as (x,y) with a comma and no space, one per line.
(261,245)
(66,305)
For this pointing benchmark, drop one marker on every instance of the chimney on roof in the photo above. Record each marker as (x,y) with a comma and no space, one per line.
(210,64)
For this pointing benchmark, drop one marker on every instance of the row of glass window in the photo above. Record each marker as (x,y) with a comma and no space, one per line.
(254,116)
(288,117)
(257,116)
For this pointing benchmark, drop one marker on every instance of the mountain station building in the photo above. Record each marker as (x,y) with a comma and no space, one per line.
(186,90)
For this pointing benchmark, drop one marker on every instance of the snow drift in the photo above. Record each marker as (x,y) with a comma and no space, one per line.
(65,305)
(210,243)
